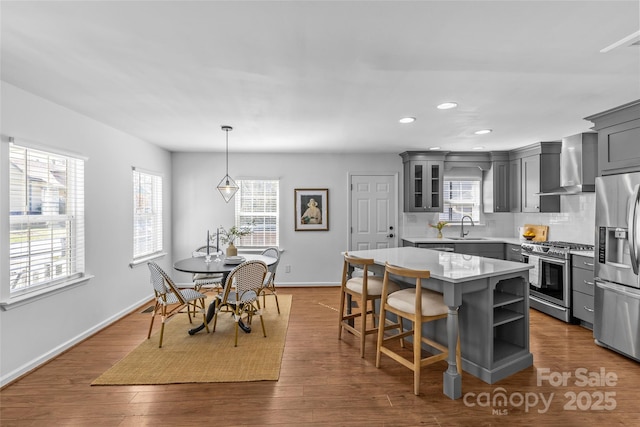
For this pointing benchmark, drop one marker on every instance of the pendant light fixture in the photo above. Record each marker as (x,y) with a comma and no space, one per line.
(227,186)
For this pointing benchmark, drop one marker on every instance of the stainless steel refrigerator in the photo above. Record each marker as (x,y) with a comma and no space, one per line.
(617,266)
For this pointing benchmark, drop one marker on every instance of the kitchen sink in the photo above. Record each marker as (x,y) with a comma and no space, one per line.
(468,238)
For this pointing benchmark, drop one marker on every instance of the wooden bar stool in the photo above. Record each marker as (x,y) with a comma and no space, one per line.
(363,288)
(419,306)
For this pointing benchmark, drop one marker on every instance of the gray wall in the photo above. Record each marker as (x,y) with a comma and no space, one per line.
(314,256)
(34,332)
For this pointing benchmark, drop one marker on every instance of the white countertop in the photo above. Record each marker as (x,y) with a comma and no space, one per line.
(583,253)
(468,239)
(446,266)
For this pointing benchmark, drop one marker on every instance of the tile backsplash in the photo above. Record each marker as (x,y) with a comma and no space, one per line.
(575,223)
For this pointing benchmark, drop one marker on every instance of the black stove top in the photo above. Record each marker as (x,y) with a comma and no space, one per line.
(565,245)
(556,249)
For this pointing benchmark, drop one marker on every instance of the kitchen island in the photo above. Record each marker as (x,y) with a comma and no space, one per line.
(487,298)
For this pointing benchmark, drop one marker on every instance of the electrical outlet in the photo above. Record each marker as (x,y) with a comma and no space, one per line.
(287,269)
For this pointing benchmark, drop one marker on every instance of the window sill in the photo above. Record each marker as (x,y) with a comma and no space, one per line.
(140,261)
(254,250)
(29,297)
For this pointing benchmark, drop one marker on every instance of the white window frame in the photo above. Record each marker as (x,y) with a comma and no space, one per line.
(448,206)
(258,238)
(46,189)
(147,229)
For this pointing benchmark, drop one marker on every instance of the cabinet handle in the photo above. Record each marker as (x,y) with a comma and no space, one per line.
(590,310)
(587,263)
(516,249)
(588,283)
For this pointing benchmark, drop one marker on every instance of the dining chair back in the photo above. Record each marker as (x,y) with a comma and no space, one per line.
(240,294)
(206,281)
(171,298)
(269,281)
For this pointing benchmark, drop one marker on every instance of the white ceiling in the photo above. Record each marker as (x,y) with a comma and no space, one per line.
(330,76)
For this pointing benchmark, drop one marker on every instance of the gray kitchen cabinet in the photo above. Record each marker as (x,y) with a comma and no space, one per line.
(515,185)
(496,187)
(487,250)
(531,184)
(423,181)
(512,252)
(506,330)
(540,173)
(583,288)
(618,139)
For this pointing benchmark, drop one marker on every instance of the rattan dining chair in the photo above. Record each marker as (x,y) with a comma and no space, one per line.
(269,281)
(206,281)
(170,299)
(240,294)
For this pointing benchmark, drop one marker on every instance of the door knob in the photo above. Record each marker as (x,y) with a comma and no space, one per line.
(390,235)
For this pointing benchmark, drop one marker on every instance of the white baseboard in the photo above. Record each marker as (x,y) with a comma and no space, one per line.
(303,284)
(34,363)
(6,378)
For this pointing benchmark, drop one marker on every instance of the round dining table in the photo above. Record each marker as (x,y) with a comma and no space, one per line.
(200,265)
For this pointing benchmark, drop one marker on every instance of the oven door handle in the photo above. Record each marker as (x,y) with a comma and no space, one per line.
(555,261)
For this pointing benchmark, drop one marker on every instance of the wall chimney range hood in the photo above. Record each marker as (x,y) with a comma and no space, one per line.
(578,165)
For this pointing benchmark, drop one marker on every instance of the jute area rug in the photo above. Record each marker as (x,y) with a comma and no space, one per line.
(206,358)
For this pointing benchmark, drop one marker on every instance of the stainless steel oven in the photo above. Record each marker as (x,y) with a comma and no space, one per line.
(550,278)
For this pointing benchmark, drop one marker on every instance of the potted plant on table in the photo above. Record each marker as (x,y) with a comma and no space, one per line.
(229,237)
(439,225)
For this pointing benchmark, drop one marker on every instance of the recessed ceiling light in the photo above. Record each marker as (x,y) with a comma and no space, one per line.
(447,105)
(407,120)
(483,131)
(478,148)
(434,148)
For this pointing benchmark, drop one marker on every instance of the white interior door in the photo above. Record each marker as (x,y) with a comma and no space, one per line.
(374,212)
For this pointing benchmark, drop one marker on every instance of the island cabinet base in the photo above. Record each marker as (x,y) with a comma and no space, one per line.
(494,326)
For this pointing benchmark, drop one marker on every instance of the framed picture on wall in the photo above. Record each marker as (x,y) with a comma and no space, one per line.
(312,209)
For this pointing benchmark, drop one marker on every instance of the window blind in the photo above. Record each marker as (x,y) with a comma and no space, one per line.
(147,213)
(46,218)
(257,207)
(460,198)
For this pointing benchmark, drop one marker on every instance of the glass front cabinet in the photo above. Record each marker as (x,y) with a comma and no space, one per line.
(422,182)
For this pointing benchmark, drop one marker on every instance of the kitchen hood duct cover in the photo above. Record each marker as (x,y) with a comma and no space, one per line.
(578,165)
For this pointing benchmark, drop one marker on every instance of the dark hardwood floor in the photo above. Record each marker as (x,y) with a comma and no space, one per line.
(324,382)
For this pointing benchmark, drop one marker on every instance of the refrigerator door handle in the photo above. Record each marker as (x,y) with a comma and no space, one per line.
(633,217)
(619,289)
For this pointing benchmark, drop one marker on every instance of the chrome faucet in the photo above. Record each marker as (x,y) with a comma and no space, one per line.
(462,233)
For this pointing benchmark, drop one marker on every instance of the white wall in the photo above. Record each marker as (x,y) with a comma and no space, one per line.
(34,332)
(314,257)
